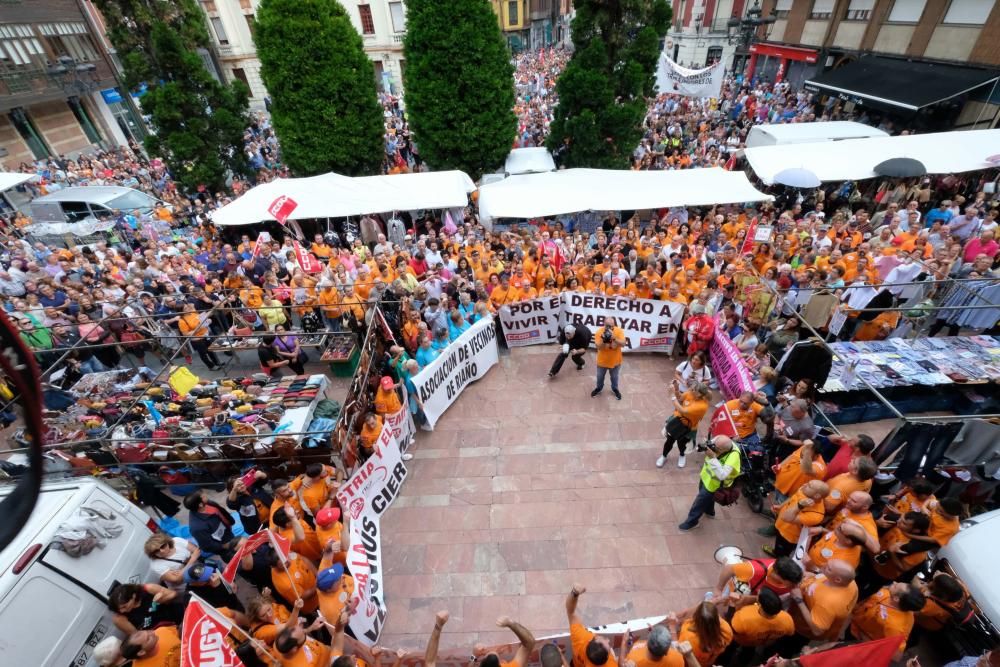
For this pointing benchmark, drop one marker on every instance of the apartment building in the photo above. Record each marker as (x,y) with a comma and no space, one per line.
(58,91)
(701,35)
(936,62)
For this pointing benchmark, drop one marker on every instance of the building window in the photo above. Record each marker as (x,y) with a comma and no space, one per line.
(822,9)
(246,6)
(968,12)
(512,17)
(859,10)
(907,11)
(69,40)
(220,30)
(367,22)
(240,73)
(714,55)
(20,46)
(398,15)
(29,133)
(781,8)
(83,118)
(250,22)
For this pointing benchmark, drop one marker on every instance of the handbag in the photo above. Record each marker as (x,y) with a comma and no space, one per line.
(728,495)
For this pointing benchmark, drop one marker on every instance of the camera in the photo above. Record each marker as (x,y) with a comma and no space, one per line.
(705,446)
(607,336)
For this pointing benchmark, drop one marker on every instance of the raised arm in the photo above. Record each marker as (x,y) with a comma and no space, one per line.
(523,635)
(571,601)
(430,654)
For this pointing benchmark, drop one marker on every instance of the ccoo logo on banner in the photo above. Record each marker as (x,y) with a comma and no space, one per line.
(365,496)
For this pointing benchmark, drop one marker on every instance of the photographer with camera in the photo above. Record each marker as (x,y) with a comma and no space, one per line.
(610,342)
(574,341)
(721,468)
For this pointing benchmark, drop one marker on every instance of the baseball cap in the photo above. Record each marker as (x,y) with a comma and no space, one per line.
(327,516)
(329,577)
(387,382)
(199,573)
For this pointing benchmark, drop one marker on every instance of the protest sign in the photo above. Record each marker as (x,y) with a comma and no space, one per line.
(203,639)
(464,361)
(532,322)
(401,424)
(676,80)
(365,496)
(728,366)
(281,208)
(306,260)
(649,325)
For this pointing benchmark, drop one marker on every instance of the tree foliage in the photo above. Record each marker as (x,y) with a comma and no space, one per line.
(603,90)
(198,123)
(459,85)
(324,105)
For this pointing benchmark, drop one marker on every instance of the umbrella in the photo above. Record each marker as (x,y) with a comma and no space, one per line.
(797,177)
(900,167)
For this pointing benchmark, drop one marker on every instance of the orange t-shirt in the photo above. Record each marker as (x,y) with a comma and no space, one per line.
(606,357)
(942,530)
(268,632)
(810,516)
(369,435)
(579,637)
(842,486)
(893,538)
(641,657)
(826,549)
(745,420)
(168,649)
(866,520)
(752,628)
(790,476)
(308,547)
(828,605)
(303,575)
(332,602)
(312,653)
(876,618)
(387,402)
(705,656)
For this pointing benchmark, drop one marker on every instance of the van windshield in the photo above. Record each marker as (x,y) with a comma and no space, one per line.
(131,201)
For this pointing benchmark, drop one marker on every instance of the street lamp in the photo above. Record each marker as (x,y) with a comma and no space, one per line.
(70,75)
(742,31)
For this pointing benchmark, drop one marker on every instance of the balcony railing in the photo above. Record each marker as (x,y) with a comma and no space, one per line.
(26,81)
(399,37)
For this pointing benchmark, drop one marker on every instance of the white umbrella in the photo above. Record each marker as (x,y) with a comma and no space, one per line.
(797,177)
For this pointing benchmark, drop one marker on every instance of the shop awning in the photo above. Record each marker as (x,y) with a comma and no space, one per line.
(12,179)
(892,85)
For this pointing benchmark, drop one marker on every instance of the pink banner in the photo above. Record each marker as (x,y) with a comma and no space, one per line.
(728,366)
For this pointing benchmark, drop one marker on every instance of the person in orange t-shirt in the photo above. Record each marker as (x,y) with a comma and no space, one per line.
(370,432)
(803,509)
(153,648)
(758,626)
(386,399)
(314,489)
(705,630)
(947,602)
(294,578)
(299,533)
(267,617)
(823,602)
(799,467)
(297,649)
(329,529)
(842,543)
(656,651)
(902,546)
(859,475)
(610,340)
(890,612)
(589,649)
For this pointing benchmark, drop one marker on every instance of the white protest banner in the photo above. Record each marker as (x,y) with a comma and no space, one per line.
(401,424)
(673,79)
(649,325)
(532,322)
(365,496)
(464,361)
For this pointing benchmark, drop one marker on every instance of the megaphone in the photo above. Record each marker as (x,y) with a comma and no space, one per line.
(728,555)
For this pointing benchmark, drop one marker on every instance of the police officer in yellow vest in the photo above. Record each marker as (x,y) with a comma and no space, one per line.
(721,468)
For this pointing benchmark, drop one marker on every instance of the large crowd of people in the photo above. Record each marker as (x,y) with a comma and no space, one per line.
(187,285)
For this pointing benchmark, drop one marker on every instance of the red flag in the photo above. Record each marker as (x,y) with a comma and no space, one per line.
(281,208)
(280,544)
(877,653)
(722,422)
(748,241)
(203,640)
(306,260)
(262,238)
(730,163)
(253,543)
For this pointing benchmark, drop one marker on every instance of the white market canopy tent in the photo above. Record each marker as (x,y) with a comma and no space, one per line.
(855,159)
(12,179)
(575,190)
(335,196)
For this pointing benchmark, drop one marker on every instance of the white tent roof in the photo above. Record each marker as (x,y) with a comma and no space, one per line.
(12,179)
(798,133)
(573,190)
(529,161)
(335,196)
(855,159)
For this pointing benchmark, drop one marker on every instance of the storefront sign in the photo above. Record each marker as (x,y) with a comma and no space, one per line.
(461,363)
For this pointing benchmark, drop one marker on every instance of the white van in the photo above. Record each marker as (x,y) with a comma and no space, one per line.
(53,607)
(803,133)
(970,556)
(90,203)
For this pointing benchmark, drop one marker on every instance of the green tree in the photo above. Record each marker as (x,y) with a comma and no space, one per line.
(324,106)
(198,123)
(604,88)
(459,85)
